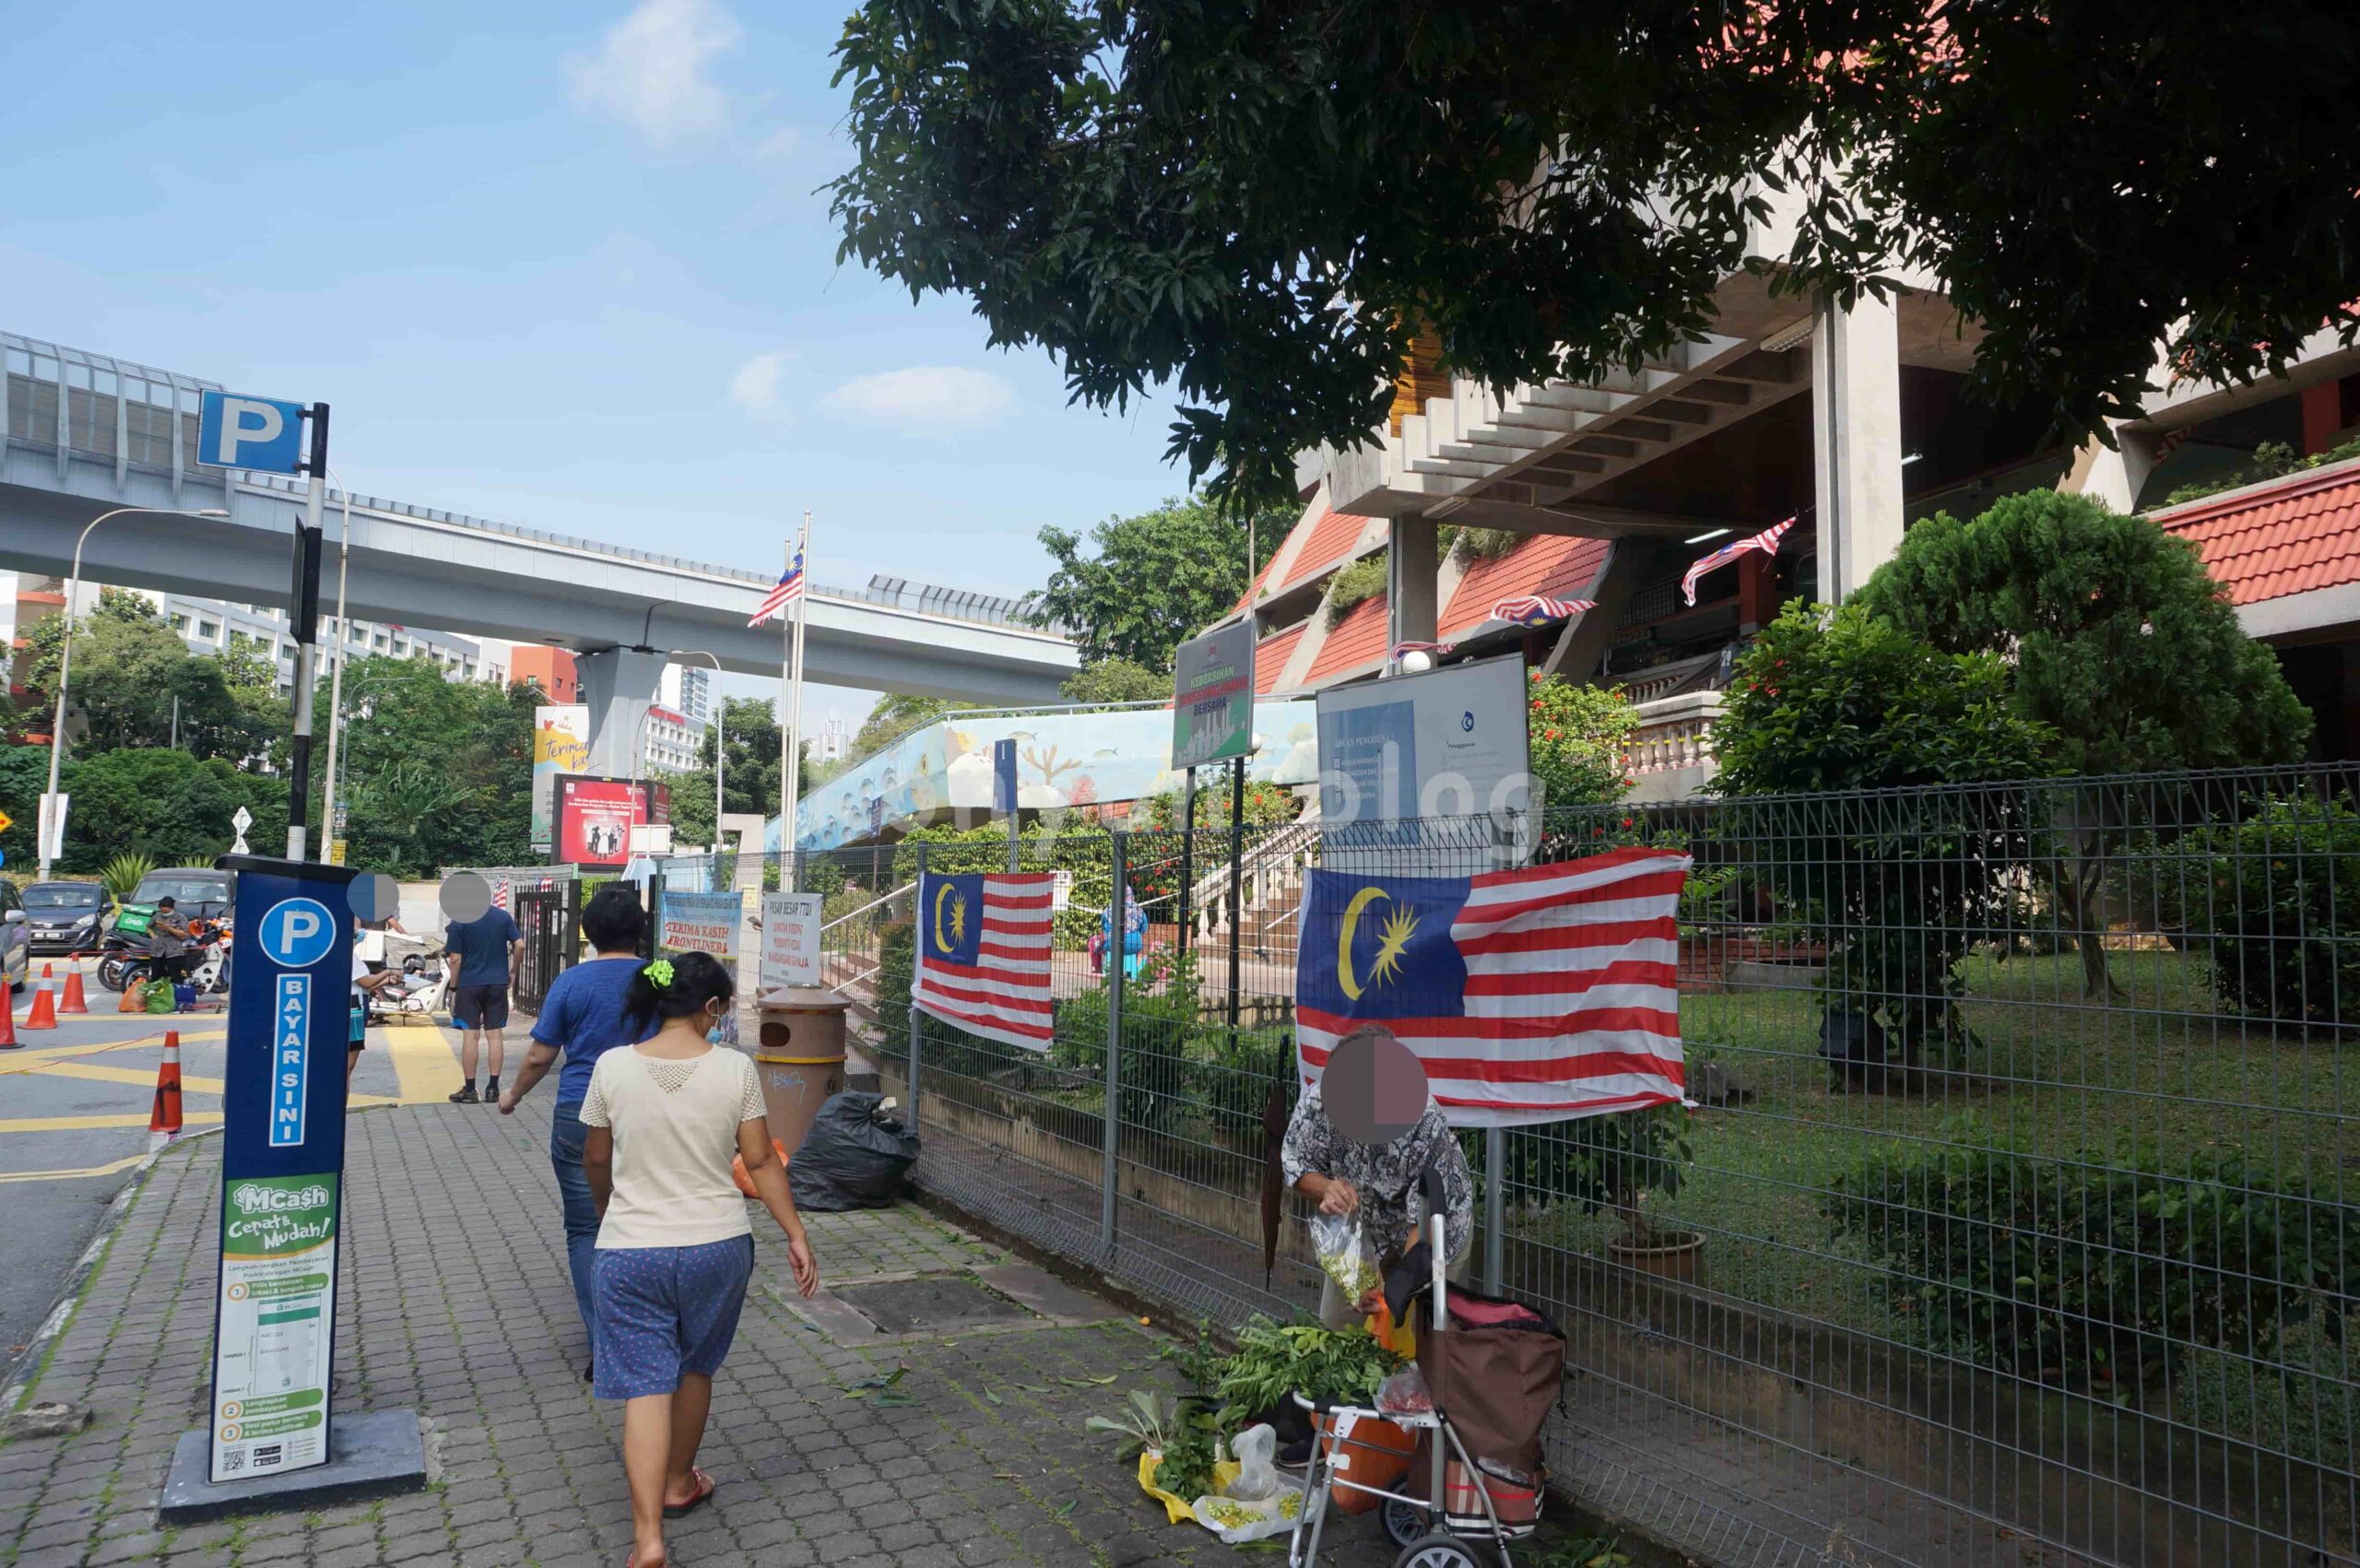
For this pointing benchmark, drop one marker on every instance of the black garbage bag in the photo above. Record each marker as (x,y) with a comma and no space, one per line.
(853,1157)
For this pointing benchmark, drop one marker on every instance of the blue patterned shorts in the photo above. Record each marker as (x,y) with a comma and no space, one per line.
(664,1311)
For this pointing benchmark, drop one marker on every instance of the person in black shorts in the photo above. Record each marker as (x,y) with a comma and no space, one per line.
(483,955)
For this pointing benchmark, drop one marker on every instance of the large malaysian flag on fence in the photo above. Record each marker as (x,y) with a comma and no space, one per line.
(1532,995)
(983,954)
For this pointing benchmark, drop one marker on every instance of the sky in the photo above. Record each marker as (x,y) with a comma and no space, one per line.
(561,265)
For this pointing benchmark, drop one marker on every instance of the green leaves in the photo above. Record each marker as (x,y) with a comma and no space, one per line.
(1154,580)
(1256,206)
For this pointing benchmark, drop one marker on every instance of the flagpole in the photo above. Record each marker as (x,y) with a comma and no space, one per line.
(791,738)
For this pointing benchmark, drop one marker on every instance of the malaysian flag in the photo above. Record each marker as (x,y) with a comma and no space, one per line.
(1538,609)
(784,592)
(1531,995)
(1766,541)
(983,954)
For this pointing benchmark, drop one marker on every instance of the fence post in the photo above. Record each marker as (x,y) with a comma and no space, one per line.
(915,940)
(1113,1075)
(1495,1206)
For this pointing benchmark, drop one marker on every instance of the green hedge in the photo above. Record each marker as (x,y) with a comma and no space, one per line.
(2051,1268)
(2285,902)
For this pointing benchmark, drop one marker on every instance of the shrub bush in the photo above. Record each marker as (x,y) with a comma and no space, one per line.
(1899,887)
(2285,905)
(2056,1267)
(1581,742)
(1598,1162)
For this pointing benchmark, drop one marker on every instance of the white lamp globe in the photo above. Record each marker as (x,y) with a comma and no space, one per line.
(1417,661)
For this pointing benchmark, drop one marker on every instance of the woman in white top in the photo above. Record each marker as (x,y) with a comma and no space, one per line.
(675,1245)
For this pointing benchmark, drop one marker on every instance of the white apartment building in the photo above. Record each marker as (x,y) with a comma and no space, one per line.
(669,742)
(687,689)
(209,626)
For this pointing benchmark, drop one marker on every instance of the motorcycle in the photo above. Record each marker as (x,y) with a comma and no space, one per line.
(209,941)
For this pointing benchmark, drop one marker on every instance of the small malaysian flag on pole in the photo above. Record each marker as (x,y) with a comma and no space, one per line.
(1538,609)
(784,592)
(1766,541)
(983,954)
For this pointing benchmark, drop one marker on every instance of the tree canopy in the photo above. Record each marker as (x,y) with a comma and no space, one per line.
(1117,680)
(1258,204)
(1153,580)
(130,667)
(2119,641)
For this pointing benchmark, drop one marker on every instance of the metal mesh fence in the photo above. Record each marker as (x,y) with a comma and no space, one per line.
(2015,1219)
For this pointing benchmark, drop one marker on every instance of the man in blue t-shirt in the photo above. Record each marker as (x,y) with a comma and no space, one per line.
(483,955)
(583,1018)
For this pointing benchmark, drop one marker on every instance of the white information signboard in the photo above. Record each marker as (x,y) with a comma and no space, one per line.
(1451,743)
(790,939)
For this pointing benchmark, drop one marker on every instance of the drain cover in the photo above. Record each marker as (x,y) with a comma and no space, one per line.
(909,1306)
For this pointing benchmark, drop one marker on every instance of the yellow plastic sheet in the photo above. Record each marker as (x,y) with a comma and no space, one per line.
(1175,1511)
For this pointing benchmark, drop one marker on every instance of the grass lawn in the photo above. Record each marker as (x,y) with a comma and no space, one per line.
(2158,1072)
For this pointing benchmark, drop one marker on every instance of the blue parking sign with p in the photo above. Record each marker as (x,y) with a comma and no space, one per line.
(263,434)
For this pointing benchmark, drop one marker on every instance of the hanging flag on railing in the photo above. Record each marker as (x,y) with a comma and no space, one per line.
(1538,609)
(1532,995)
(1766,541)
(1437,649)
(983,954)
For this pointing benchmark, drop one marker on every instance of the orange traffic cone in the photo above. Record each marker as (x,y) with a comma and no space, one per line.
(164,1121)
(49,977)
(9,1041)
(73,1002)
(44,1012)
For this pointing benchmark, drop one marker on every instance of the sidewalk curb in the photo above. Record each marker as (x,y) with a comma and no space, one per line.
(61,1314)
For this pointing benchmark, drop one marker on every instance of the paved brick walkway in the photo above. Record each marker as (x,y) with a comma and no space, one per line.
(456,1302)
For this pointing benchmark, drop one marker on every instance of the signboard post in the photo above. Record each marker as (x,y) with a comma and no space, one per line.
(560,745)
(1004,795)
(703,922)
(1212,697)
(265,435)
(1452,742)
(790,941)
(270,1430)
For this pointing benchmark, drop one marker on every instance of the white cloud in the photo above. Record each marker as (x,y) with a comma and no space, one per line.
(941,395)
(650,70)
(755,385)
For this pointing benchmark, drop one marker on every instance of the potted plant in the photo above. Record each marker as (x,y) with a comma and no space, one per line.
(1618,1160)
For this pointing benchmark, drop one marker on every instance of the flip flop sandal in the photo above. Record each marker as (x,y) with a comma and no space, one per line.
(705,1489)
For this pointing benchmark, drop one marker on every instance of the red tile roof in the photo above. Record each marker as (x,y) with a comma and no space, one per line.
(1357,644)
(1332,535)
(1270,656)
(1545,563)
(2283,537)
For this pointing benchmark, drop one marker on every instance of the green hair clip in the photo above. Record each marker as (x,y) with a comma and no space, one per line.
(659,973)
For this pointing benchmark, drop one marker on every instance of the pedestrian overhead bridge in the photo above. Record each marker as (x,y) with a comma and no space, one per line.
(84,433)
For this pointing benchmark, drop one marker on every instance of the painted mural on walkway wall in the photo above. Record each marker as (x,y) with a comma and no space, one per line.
(1084,760)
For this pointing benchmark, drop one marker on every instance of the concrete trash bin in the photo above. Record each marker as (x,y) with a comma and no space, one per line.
(800,1058)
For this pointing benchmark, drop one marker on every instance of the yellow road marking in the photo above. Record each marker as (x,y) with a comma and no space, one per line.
(91,1124)
(426,1061)
(31,1060)
(125,1163)
(194,1083)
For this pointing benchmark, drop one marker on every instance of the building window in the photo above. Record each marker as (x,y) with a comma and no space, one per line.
(208,631)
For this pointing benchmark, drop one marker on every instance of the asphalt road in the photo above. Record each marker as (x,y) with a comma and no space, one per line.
(74,1109)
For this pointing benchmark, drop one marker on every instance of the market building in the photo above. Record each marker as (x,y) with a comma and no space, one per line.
(1853,422)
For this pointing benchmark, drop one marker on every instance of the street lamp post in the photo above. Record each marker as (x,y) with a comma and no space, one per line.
(341,653)
(65,651)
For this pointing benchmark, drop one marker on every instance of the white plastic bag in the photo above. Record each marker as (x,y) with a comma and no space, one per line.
(1237,1523)
(1345,1255)
(1258,1476)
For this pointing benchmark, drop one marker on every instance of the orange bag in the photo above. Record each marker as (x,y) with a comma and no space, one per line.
(737,1168)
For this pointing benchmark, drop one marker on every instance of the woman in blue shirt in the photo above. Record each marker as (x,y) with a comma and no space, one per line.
(582,1017)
